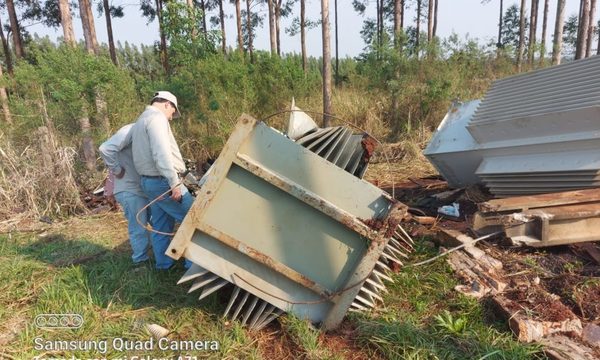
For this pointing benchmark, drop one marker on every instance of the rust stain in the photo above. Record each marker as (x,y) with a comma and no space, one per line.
(368,144)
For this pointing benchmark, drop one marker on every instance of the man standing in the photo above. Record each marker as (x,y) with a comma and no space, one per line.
(158,160)
(116,153)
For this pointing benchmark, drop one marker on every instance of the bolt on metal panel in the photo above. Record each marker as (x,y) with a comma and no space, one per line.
(284,226)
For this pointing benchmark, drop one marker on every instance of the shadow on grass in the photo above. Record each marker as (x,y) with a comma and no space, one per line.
(107,276)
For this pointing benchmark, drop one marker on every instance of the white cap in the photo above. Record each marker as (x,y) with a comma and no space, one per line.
(168,96)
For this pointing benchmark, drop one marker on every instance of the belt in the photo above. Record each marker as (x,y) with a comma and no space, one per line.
(152,177)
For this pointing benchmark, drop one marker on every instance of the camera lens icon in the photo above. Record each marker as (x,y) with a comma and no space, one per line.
(58,321)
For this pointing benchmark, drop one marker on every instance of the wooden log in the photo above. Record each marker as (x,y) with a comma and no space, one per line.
(527,329)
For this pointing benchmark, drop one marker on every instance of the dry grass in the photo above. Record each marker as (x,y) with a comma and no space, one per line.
(392,163)
(37,181)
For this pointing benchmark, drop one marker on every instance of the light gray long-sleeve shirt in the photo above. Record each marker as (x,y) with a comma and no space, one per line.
(117,155)
(155,151)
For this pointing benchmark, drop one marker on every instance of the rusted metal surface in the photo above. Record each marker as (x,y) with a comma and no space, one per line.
(264,259)
(281,223)
(305,196)
(221,166)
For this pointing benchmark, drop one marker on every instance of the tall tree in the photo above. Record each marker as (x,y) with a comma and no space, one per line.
(4,101)
(337,59)
(521,36)
(66,21)
(544,27)
(249,30)
(277,15)
(15,28)
(6,49)
(153,9)
(499,44)
(418,27)
(203,8)
(327,110)
(238,18)
(398,15)
(89,29)
(108,10)
(591,30)
(283,8)
(532,30)
(583,27)
(303,34)
(222,20)
(435,18)
(430,8)
(558,32)
(272,33)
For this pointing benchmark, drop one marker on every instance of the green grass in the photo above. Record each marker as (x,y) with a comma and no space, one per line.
(423,317)
(114,300)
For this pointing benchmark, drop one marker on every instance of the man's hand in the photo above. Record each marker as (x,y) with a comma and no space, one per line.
(121,174)
(176,193)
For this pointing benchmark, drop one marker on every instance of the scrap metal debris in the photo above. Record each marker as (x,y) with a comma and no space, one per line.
(297,243)
(532,133)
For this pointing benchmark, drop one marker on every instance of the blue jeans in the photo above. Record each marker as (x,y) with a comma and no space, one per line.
(164,214)
(138,235)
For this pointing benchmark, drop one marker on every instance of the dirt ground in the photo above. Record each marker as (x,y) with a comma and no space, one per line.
(551,284)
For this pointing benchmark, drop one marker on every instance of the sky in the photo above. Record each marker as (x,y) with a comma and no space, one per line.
(467,18)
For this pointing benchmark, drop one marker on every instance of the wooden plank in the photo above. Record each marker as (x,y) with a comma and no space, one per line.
(520,203)
(527,329)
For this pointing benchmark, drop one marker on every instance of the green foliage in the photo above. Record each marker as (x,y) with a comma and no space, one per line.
(570,35)
(510,27)
(182,25)
(64,82)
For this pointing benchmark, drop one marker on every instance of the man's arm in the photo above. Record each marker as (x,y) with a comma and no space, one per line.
(158,136)
(109,150)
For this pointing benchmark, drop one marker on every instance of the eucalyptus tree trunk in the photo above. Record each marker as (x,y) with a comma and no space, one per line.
(277,25)
(111,41)
(203,8)
(238,18)
(532,30)
(249,25)
(558,32)
(418,27)
(164,56)
(326,63)
(15,28)
(66,21)
(89,150)
(272,35)
(435,17)
(222,19)
(430,21)
(6,48)
(87,23)
(499,43)
(583,28)
(521,49)
(4,101)
(303,34)
(591,30)
(337,59)
(544,27)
